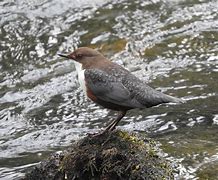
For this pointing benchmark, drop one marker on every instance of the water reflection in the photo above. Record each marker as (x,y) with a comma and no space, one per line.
(171,44)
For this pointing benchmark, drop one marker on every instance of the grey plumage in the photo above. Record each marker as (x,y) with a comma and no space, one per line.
(125,89)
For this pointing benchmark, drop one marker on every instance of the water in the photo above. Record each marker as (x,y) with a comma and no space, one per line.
(171,44)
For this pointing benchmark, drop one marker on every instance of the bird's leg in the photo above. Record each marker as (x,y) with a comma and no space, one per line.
(112,125)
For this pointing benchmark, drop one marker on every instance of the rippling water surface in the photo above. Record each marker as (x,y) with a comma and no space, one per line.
(171,44)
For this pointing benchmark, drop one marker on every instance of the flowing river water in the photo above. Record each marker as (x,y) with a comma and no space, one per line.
(171,44)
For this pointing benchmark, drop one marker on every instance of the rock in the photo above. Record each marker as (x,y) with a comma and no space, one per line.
(116,155)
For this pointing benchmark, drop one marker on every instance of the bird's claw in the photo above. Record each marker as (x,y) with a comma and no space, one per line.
(95,134)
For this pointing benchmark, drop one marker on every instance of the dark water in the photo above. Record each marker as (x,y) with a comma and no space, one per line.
(171,44)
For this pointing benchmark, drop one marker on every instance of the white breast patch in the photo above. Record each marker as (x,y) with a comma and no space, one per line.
(81,75)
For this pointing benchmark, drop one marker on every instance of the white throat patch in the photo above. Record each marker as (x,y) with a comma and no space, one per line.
(81,75)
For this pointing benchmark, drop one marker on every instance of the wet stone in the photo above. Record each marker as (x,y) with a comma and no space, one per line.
(116,155)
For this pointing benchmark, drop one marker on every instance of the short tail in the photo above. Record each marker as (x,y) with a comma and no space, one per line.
(175,99)
(154,98)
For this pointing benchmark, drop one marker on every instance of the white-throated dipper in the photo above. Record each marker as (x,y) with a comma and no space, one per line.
(112,86)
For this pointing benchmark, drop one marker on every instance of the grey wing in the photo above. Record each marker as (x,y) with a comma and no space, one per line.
(146,95)
(109,88)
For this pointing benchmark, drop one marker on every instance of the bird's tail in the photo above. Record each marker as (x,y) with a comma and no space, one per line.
(174,99)
(159,98)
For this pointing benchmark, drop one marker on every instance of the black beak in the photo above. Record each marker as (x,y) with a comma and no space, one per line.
(64,55)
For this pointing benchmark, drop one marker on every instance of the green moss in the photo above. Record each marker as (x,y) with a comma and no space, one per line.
(137,143)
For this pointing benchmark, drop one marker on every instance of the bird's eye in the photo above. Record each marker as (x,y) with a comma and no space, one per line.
(79,55)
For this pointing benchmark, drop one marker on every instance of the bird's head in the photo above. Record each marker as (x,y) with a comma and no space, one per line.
(83,55)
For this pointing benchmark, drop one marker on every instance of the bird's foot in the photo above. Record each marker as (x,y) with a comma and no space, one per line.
(100,133)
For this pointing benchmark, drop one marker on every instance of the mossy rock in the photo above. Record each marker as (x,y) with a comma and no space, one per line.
(116,155)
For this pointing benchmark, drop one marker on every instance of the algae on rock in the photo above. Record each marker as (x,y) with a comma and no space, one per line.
(116,155)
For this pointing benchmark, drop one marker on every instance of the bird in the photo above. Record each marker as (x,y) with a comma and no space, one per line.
(110,85)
